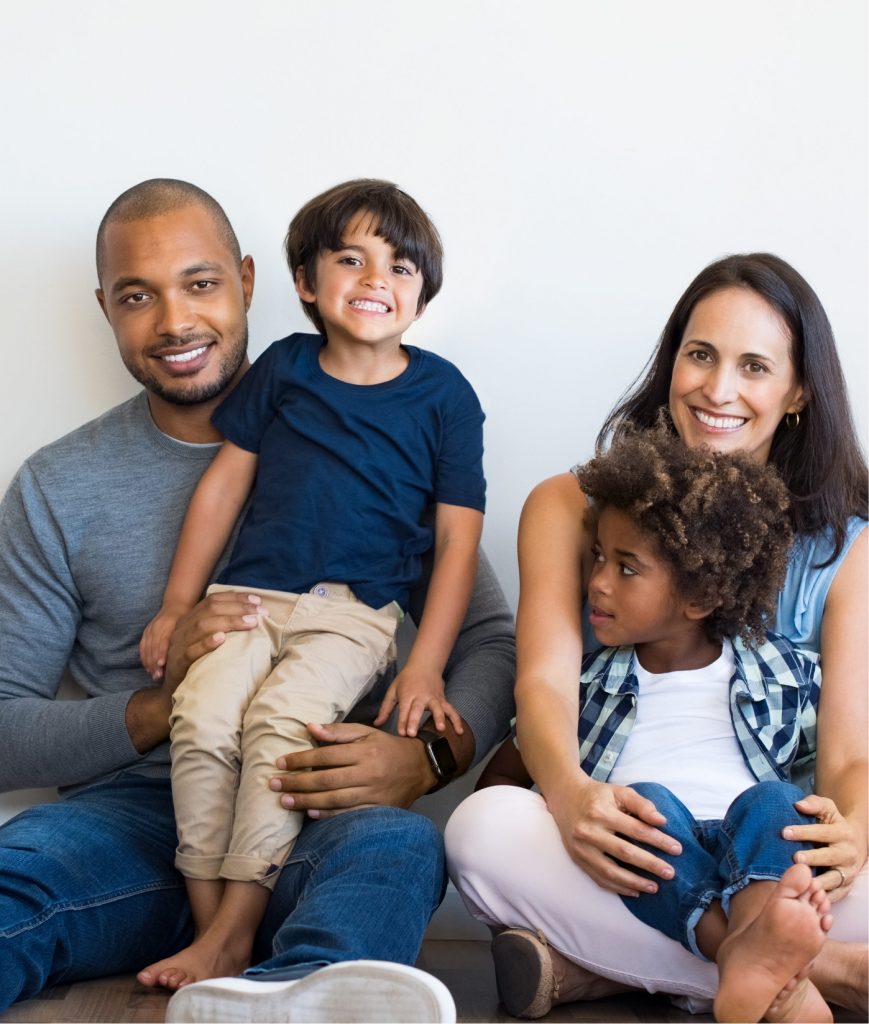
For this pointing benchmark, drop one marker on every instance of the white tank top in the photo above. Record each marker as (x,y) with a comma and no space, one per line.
(683,738)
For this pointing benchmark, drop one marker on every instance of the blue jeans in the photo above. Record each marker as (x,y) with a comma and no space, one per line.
(718,857)
(88,888)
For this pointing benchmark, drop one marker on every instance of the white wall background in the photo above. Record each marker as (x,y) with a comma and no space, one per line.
(582,160)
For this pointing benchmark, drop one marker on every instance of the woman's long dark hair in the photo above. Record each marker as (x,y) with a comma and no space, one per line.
(820,459)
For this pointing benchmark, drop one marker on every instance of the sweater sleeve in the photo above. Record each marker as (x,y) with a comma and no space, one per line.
(45,741)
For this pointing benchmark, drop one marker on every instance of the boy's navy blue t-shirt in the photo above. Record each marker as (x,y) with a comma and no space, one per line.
(346,471)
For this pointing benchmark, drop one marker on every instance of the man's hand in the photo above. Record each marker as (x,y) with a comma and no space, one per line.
(201,630)
(359,767)
(415,692)
(205,627)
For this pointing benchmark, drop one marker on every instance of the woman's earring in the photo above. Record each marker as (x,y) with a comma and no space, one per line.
(792,420)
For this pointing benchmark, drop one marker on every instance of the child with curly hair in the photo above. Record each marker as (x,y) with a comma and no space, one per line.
(691,704)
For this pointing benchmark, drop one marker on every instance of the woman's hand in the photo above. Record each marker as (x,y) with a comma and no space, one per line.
(601,824)
(840,853)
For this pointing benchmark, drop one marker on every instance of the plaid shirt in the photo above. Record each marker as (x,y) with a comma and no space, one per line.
(774,693)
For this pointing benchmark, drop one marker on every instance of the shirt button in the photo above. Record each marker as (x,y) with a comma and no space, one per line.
(608,757)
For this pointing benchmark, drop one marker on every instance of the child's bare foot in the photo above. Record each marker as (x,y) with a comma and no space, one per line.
(206,957)
(763,967)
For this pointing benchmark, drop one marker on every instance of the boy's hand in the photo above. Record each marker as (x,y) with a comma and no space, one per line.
(155,641)
(415,691)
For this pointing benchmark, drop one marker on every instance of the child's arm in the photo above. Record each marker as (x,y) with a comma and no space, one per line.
(420,684)
(214,508)
(505,768)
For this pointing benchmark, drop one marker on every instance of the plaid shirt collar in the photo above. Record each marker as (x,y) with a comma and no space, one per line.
(774,693)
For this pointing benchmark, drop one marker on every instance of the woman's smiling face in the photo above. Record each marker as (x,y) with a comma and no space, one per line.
(733,376)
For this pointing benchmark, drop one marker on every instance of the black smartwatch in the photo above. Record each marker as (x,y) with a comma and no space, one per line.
(440,757)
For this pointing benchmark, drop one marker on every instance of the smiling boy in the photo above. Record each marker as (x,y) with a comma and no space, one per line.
(343,441)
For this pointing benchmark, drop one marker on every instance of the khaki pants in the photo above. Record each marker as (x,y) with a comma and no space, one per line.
(246,703)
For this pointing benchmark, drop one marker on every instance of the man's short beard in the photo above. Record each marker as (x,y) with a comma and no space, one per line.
(196,394)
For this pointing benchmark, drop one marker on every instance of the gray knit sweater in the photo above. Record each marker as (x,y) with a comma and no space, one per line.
(87,533)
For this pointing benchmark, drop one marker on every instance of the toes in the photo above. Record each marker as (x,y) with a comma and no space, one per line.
(795,882)
(174,978)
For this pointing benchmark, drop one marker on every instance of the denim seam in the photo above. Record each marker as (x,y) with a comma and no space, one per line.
(64,908)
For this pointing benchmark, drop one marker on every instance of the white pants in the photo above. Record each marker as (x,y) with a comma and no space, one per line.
(506,858)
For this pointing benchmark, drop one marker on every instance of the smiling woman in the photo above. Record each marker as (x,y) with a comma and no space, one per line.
(746,362)
(733,379)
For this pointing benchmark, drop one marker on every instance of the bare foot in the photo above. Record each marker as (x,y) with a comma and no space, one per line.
(204,958)
(763,967)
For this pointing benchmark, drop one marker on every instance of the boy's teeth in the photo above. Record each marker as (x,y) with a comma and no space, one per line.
(719,422)
(371,307)
(185,357)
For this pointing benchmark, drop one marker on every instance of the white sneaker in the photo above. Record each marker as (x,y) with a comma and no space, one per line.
(351,991)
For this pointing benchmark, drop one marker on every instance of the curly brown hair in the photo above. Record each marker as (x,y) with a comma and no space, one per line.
(720,521)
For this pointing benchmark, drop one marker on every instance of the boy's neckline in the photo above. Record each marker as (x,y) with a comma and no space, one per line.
(369,370)
(313,358)
(663,663)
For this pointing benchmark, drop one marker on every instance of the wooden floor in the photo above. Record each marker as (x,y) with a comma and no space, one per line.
(464,967)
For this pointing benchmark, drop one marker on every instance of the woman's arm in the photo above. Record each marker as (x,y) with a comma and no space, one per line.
(553,543)
(841,771)
(554,560)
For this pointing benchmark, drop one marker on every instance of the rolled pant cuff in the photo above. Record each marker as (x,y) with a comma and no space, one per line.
(689,941)
(202,868)
(239,868)
(755,875)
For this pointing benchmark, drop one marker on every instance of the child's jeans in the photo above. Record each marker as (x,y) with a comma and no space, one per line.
(719,857)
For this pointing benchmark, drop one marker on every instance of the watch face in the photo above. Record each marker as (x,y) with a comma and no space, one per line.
(443,758)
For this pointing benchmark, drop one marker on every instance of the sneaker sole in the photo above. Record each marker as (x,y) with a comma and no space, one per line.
(355,992)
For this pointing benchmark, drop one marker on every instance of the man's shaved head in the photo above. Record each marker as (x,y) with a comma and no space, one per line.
(157,196)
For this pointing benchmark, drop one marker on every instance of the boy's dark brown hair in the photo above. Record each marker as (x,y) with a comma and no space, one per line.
(720,521)
(321,223)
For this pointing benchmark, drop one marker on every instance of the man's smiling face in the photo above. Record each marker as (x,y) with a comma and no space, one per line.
(177,301)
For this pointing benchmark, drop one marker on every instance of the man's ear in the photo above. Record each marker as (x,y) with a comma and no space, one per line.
(305,293)
(101,299)
(248,273)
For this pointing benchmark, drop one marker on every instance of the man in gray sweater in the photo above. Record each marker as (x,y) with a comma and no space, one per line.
(87,532)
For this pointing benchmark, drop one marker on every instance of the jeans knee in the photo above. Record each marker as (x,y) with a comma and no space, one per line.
(653,791)
(665,801)
(773,799)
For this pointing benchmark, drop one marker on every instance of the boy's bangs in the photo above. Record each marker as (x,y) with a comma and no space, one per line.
(387,221)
